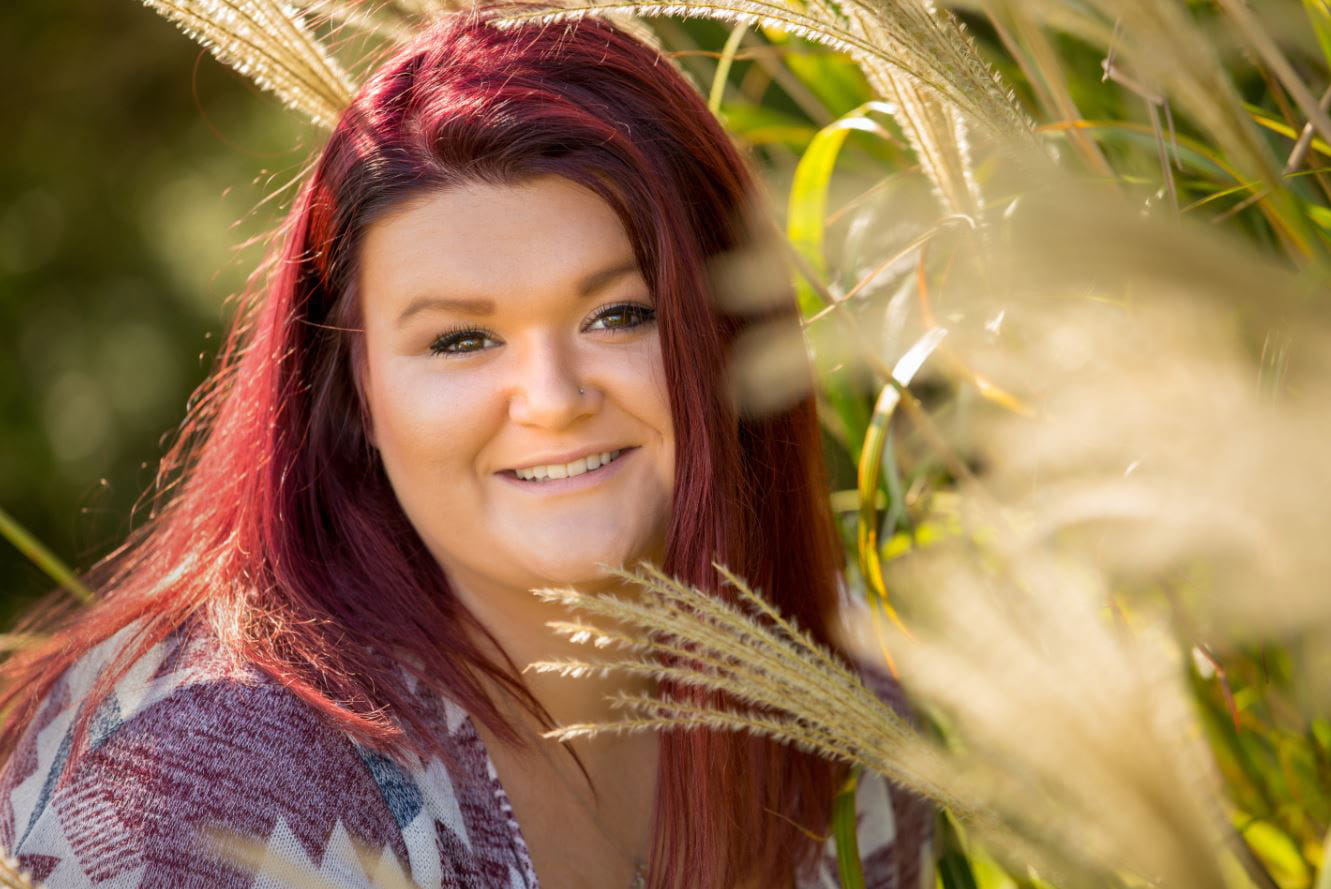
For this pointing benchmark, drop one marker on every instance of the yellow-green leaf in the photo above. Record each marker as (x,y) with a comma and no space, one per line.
(807,209)
(1279,853)
(1319,13)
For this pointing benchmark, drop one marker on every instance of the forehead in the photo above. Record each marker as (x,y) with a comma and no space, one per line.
(485,241)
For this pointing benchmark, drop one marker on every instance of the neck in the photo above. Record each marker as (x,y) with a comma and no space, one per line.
(517,620)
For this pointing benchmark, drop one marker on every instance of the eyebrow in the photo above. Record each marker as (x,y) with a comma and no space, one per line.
(589,286)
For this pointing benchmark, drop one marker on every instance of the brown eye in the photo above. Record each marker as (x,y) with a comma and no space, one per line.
(461,342)
(622,317)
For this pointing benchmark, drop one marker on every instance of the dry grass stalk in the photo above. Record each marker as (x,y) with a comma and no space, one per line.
(1078,739)
(902,36)
(268,42)
(1038,690)
(749,652)
(12,876)
(937,135)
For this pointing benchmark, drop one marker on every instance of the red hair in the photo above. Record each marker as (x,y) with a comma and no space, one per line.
(276,525)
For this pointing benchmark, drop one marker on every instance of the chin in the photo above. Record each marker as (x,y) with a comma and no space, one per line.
(579,566)
(581,573)
(586,557)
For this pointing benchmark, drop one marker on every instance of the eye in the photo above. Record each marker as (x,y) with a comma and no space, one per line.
(462,341)
(623,316)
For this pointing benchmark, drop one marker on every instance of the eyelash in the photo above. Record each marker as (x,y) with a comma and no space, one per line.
(444,343)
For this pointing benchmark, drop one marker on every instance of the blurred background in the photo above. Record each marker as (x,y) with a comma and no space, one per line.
(131,175)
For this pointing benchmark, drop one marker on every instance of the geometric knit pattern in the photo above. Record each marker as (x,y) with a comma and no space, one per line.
(186,742)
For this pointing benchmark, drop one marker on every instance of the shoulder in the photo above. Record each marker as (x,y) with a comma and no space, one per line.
(185,742)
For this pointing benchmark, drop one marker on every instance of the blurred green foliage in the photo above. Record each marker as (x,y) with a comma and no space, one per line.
(130,172)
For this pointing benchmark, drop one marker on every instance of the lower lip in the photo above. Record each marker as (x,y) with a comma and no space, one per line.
(587,479)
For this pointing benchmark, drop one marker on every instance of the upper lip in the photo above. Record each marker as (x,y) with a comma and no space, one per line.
(567,457)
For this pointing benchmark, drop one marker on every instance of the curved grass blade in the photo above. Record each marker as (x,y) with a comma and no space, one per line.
(42,557)
(723,67)
(954,867)
(1263,118)
(806,213)
(870,467)
(806,225)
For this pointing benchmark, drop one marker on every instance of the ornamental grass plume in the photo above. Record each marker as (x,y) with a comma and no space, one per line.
(270,43)
(12,875)
(745,649)
(912,38)
(1039,695)
(916,56)
(1073,733)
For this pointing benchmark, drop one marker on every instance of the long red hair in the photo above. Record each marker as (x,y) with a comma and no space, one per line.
(275,524)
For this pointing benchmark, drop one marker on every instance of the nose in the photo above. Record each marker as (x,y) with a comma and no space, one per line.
(547,390)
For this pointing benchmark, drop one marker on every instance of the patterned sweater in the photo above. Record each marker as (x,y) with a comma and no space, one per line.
(186,742)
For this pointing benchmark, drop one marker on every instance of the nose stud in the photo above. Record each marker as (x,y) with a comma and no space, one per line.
(582,391)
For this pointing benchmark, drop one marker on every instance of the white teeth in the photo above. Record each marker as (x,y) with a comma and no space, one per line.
(567,470)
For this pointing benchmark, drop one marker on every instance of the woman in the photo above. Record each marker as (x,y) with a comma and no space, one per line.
(486,360)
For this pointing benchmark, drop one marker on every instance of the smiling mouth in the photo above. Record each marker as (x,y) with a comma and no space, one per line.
(555,471)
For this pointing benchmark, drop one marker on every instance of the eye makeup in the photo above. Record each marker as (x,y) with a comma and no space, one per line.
(468,339)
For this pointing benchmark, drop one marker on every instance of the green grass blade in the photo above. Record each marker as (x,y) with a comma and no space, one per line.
(954,868)
(806,223)
(844,829)
(723,67)
(42,557)
(1264,118)
(1319,13)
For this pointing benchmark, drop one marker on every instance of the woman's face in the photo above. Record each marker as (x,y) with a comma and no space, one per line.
(511,351)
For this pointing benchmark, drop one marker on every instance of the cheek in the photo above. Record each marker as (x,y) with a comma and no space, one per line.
(428,427)
(648,398)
